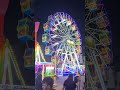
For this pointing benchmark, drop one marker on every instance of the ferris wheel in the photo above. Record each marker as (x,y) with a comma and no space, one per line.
(98,43)
(63,41)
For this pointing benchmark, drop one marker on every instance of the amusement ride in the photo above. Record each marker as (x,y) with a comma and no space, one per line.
(98,53)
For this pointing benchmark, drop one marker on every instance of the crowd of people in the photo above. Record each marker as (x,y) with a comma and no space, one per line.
(47,83)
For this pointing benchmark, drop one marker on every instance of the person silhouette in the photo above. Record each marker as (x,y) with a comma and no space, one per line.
(47,83)
(38,80)
(69,84)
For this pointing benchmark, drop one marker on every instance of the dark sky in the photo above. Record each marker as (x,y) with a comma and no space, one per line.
(112,7)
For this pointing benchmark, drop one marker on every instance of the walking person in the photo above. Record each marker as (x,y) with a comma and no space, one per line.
(47,83)
(77,82)
(69,84)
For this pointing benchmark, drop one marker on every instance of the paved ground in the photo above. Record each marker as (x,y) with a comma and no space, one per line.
(60,80)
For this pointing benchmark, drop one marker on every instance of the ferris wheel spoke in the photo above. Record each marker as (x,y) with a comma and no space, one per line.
(94,16)
(56,43)
(60,46)
(88,16)
(93,19)
(98,41)
(98,30)
(56,37)
(54,33)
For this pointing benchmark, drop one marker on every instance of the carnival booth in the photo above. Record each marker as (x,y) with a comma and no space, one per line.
(48,69)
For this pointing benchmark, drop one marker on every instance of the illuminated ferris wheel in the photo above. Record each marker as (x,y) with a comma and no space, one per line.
(62,39)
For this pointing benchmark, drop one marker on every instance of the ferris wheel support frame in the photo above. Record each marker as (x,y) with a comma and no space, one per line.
(9,55)
(97,26)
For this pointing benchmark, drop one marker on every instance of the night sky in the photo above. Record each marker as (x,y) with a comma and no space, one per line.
(47,7)
(112,8)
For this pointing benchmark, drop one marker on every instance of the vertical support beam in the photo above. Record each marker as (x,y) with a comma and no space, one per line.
(97,69)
